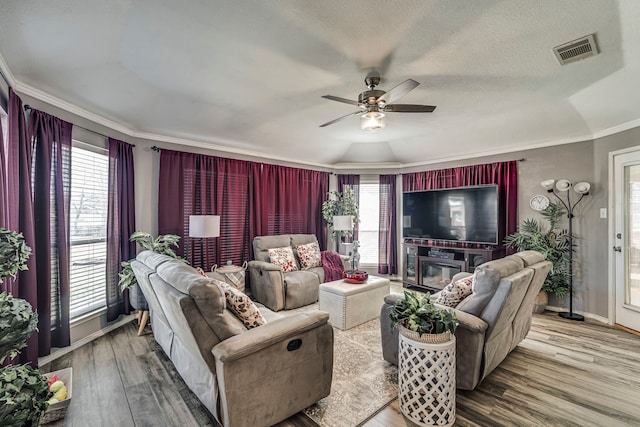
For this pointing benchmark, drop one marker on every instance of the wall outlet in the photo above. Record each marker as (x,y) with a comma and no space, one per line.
(603,213)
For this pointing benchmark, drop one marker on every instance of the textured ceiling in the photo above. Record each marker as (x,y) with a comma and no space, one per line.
(249,75)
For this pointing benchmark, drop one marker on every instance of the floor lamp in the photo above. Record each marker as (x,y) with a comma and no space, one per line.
(203,227)
(342,223)
(581,188)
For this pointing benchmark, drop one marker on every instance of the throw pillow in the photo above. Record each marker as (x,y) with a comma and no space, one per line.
(241,306)
(455,292)
(309,255)
(485,283)
(283,258)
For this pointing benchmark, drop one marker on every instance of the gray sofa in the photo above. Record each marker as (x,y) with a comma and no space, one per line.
(254,377)
(493,319)
(278,290)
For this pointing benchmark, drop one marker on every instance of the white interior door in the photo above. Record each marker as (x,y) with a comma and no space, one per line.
(626,196)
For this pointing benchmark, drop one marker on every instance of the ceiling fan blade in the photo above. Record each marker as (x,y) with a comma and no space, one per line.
(340,118)
(409,108)
(337,98)
(399,91)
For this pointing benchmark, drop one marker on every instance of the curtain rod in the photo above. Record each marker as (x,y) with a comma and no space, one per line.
(156,148)
(28,107)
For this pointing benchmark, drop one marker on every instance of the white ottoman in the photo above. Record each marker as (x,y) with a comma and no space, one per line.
(349,304)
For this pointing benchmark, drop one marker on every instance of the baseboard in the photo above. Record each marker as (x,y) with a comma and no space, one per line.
(59,352)
(592,316)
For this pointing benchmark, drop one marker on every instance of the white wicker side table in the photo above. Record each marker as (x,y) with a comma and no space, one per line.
(427,381)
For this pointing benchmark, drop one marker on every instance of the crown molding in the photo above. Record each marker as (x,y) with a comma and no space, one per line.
(224,148)
(69,107)
(6,72)
(617,129)
(506,150)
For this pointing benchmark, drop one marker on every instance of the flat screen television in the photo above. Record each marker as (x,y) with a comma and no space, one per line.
(463,214)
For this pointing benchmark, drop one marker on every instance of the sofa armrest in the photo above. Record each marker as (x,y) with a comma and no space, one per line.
(267,284)
(263,265)
(281,368)
(268,334)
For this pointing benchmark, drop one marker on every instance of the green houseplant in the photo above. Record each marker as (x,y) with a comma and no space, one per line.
(23,390)
(14,253)
(162,244)
(550,240)
(340,204)
(417,313)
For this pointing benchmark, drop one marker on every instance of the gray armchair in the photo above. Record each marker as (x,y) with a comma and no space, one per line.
(493,319)
(278,290)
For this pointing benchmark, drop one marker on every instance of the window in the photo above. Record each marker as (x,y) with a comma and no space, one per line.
(368,229)
(88,228)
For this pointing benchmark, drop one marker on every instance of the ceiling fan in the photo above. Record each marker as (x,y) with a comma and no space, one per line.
(374,103)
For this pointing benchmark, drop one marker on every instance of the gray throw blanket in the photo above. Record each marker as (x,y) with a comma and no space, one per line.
(332,264)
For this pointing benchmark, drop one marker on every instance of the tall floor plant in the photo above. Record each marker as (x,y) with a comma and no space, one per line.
(552,241)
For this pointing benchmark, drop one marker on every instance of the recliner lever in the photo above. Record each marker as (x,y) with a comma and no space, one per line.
(294,344)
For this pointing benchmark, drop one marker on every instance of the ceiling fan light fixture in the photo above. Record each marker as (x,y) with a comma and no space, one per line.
(372,121)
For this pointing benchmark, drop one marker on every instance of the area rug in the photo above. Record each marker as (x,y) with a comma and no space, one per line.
(363,383)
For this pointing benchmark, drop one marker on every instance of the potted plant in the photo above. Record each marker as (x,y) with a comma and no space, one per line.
(340,204)
(426,360)
(552,242)
(162,244)
(24,391)
(416,315)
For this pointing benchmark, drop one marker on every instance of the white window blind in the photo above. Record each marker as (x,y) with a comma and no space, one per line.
(88,229)
(369,210)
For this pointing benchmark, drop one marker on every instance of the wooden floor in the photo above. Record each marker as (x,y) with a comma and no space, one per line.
(564,374)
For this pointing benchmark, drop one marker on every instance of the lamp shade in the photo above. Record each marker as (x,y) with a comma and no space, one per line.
(582,188)
(548,184)
(563,185)
(204,225)
(343,222)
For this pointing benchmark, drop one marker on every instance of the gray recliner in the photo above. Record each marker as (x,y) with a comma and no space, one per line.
(493,319)
(278,290)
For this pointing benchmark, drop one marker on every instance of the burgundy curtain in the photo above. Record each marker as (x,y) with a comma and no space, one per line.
(352,181)
(51,139)
(388,236)
(197,184)
(4,197)
(504,174)
(20,211)
(121,224)
(288,201)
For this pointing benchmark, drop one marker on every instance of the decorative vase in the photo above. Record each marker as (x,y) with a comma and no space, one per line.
(540,303)
(137,299)
(427,377)
(355,276)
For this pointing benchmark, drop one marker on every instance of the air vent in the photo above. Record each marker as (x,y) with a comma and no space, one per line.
(576,50)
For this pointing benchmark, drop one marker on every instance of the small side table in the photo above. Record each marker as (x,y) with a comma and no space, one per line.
(427,381)
(233,275)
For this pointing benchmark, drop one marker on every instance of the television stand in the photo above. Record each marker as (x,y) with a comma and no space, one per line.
(430,266)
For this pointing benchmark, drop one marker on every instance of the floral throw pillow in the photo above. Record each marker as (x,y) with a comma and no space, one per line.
(283,258)
(309,255)
(241,306)
(455,292)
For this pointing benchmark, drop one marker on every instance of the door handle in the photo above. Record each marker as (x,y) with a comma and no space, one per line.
(617,249)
